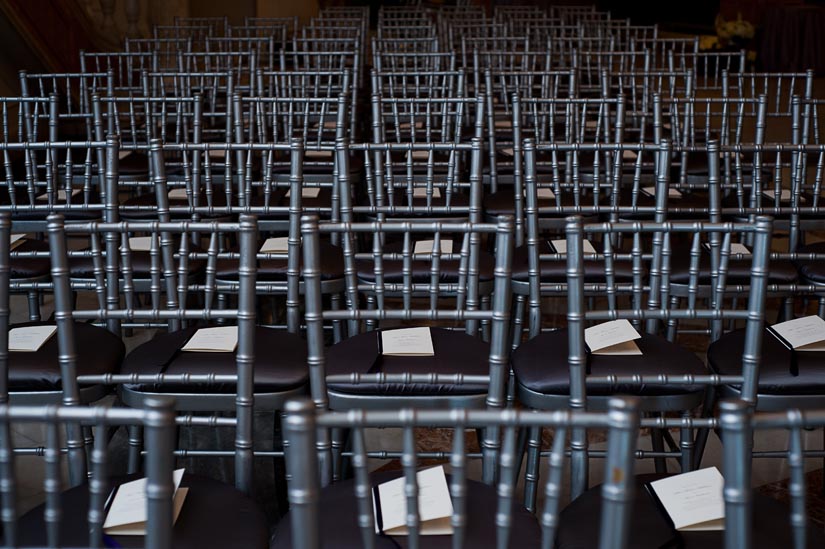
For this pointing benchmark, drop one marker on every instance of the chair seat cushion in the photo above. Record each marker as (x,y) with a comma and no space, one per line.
(213,515)
(541,366)
(83,267)
(148,201)
(725,357)
(739,270)
(455,353)
(332,266)
(813,271)
(134,164)
(30,267)
(98,352)
(339,520)
(280,362)
(556,271)
(448,269)
(578,524)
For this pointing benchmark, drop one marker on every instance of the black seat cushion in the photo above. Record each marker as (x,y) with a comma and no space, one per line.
(280,362)
(739,270)
(503,202)
(213,515)
(30,267)
(81,209)
(812,270)
(455,353)
(725,357)
(128,210)
(556,271)
(332,266)
(134,164)
(98,352)
(83,267)
(541,366)
(648,528)
(448,269)
(339,524)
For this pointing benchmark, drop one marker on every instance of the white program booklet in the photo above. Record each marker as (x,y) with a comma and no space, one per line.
(545,193)
(503,124)
(560,245)
(426,246)
(123,154)
(784,195)
(802,334)
(141,243)
(28,339)
(177,194)
(407,342)
(615,337)
(407,125)
(222,339)
(736,248)
(278,244)
(318,155)
(693,500)
(16,240)
(629,155)
(60,195)
(308,192)
(671,192)
(418,155)
(508,151)
(421,192)
(127,514)
(435,507)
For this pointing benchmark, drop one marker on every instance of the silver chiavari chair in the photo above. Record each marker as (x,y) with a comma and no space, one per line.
(668,377)
(440,285)
(752,519)
(175,306)
(219,25)
(265,48)
(75,517)
(590,65)
(305,83)
(348,505)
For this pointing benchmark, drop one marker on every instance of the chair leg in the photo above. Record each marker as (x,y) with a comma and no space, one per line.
(518,320)
(34,306)
(702,434)
(339,437)
(657,442)
(485,324)
(686,444)
(672,325)
(135,446)
(335,304)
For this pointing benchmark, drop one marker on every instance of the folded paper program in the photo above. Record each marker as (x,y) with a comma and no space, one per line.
(435,508)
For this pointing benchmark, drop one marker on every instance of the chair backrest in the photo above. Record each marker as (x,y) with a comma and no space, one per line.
(708,66)
(427,120)
(65,176)
(125,67)
(158,422)
(265,48)
(419,84)
(219,26)
(660,48)
(74,92)
(28,119)
(429,179)
(738,424)
(397,61)
(196,34)
(302,423)
(216,88)
(274,23)
(166,49)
